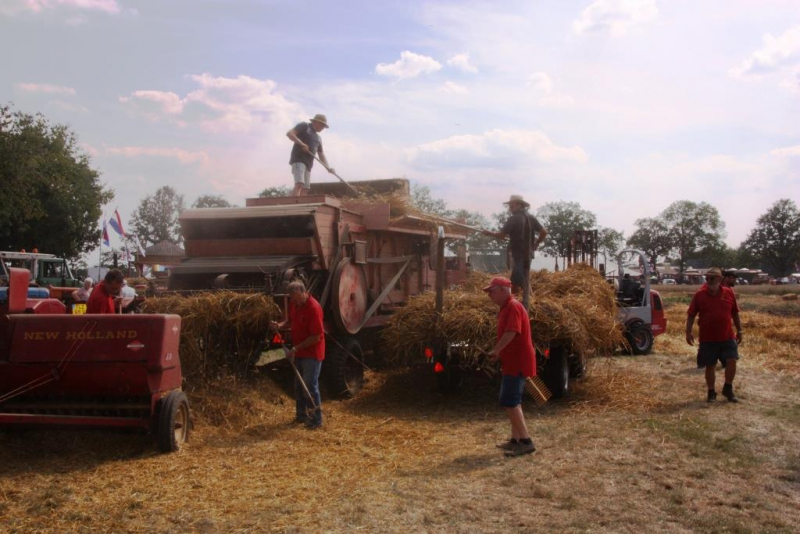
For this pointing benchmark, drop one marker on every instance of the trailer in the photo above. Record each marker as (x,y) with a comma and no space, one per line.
(90,371)
(358,258)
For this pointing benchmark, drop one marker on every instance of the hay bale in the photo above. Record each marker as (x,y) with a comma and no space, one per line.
(219,330)
(574,307)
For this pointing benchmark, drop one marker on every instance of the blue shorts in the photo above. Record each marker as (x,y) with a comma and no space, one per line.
(511,391)
(712,351)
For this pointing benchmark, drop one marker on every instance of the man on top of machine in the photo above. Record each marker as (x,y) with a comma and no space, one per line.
(307,144)
(105,296)
(514,229)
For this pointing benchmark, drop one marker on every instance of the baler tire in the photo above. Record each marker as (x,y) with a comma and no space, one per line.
(640,338)
(344,376)
(577,367)
(173,422)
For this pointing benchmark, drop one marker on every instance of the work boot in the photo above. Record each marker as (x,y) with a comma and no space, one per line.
(521,448)
(727,391)
(712,395)
(507,445)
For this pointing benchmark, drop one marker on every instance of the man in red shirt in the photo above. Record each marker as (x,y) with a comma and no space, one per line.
(104,296)
(517,360)
(716,306)
(308,337)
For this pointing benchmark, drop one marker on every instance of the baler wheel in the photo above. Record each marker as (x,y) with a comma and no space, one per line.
(173,422)
(344,374)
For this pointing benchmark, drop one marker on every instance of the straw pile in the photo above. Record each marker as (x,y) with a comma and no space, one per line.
(219,330)
(574,307)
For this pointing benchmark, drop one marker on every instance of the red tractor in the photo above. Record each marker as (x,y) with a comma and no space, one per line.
(111,371)
(641,311)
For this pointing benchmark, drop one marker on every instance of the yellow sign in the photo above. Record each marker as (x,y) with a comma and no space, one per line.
(79,308)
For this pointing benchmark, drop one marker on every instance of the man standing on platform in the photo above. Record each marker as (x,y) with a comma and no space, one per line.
(307,144)
(517,356)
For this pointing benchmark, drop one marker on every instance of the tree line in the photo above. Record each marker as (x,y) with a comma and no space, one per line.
(52,200)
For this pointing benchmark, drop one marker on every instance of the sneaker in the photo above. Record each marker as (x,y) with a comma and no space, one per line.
(727,391)
(298,421)
(311,425)
(521,449)
(712,395)
(507,445)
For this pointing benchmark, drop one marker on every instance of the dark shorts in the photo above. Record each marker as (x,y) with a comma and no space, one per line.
(511,391)
(518,273)
(711,352)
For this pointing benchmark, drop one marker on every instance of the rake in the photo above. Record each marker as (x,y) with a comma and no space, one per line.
(534,386)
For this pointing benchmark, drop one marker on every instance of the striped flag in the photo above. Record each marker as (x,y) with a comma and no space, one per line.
(116,223)
(105,241)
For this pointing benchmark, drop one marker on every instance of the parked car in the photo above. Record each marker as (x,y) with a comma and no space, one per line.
(784,280)
(668,282)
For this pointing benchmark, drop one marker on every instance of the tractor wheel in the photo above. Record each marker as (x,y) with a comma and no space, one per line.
(577,366)
(640,339)
(556,373)
(173,422)
(344,375)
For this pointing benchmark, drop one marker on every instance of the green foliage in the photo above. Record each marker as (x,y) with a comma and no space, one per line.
(211,201)
(156,218)
(561,219)
(692,228)
(272,192)
(652,237)
(51,197)
(609,241)
(776,238)
(422,199)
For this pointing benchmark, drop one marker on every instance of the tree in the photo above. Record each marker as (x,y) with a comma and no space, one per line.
(775,241)
(692,228)
(609,241)
(652,237)
(273,192)
(211,201)
(561,219)
(423,200)
(51,196)
(156,218)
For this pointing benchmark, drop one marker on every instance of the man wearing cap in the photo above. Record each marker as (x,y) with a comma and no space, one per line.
(716,306)
(307,144)
(514,348)
(514,230)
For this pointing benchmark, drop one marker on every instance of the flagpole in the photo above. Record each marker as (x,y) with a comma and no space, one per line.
(100,253)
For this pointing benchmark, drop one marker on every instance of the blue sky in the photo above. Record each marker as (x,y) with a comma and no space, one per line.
(622,105)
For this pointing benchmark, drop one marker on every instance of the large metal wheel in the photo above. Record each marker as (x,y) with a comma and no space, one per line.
(349,296)
(556,373)
(343,368)
(173,422)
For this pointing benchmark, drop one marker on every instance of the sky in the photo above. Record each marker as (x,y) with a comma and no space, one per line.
(623,106)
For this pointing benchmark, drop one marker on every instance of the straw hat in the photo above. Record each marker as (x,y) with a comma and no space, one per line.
(320,118)
(714,271)
(517,198)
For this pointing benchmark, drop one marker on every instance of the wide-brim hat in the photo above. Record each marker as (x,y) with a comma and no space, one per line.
(322,119)
(714,271)
(498,281)
(517,198)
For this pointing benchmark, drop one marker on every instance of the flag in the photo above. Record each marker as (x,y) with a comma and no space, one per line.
(116,223)
(105,241)
(139,246)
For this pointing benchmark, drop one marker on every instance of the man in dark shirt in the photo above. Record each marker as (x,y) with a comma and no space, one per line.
(514,230)
(307,144)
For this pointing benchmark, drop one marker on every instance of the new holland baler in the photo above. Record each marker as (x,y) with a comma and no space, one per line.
(110,371)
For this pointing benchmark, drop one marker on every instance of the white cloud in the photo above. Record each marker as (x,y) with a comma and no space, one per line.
(184,156)
(614,17)
(461,62)
(46,88)
(495,148)
(454,88)
(239,104)
(410,65)
(168,102)
(789,151)
(776,53)
(541,80)
(38,6)
(542,83)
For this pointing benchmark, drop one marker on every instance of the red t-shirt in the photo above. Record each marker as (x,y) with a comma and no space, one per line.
(100,301)
(519,356)
(716,313)
(307,321)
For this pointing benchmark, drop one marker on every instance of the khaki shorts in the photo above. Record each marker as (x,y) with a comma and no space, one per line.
(302,174)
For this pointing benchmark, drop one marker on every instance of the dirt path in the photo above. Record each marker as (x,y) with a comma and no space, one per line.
(635,450)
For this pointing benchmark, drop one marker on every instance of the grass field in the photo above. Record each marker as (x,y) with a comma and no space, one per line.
(635,449)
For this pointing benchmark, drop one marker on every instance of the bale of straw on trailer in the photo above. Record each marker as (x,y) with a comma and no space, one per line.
(575,307)
(219,330)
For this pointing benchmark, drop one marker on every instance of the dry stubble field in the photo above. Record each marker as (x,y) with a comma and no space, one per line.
(635,449)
